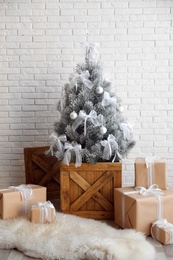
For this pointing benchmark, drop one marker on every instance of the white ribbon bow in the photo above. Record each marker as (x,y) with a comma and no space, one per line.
(84,75)
(67,155)
(110,145)
(45,210)
(57,141)
(107,100)
(152,190)
(84,117)
(125,128)
(26,194)
(91,51)
(163,223)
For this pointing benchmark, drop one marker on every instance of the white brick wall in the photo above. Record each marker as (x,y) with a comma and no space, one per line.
(39,48)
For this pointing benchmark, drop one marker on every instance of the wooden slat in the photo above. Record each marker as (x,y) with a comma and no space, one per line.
(92,167)
(97,175)
(50,170)
(90,204)
(118,179)
(65,188)
(92,190)
(101,215)
(84,176)
(85,186)
(41,163)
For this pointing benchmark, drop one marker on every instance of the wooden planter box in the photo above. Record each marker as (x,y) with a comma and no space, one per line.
(87,191)
(42,170)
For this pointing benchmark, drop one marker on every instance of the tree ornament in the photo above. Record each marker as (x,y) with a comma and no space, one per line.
(103,130)
(99,90)
(121,109)
(73,115)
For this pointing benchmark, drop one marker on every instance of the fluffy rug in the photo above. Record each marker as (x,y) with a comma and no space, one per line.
(72,238)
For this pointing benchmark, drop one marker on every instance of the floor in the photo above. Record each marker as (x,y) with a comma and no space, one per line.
(163,252)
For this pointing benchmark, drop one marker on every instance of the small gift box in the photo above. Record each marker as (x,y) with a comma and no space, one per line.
(42,212)
(137,209)
(150,171)
(162,230)
(17,200)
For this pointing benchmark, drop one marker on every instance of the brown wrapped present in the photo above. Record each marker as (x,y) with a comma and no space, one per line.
(150,171)
(17,200)
(136,211)
(162,230)
(42,212)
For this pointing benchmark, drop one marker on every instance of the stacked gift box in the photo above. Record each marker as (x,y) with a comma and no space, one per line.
(147,205)
(28,201)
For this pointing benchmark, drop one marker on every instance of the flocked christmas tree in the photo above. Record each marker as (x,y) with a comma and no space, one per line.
(91,127)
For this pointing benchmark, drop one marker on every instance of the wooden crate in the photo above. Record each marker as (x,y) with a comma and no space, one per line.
(87,191)
(42,170)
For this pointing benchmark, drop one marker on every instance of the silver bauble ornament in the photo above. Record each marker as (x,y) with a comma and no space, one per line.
(99,90)
(103,130)
(73,115)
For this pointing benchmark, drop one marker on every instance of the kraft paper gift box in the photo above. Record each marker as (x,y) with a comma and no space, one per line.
(17,200)
(42,212)
(135,211)
(150,171)
(162,231)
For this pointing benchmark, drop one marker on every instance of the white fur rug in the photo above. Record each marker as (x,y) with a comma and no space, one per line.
(74,238)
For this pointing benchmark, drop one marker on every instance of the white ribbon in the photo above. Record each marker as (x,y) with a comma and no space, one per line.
(91,51)
(100,119)
(125,128)
(164,224)
(83,76)
(152,190)
(84,117)
(107,100)
(57,141)
(45,209)
(110,146)
(67,155)
(26,194)
(149,161)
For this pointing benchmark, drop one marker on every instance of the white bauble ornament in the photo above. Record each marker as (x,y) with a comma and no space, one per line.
(73,115)
(121,109)
(99,90)
(103,130)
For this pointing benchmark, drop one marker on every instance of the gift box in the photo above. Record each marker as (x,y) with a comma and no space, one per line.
(162,231)
(150,171)
(135,211)
(42,212)
(17,200)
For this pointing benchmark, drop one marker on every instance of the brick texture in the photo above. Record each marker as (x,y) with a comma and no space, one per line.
(40,47)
